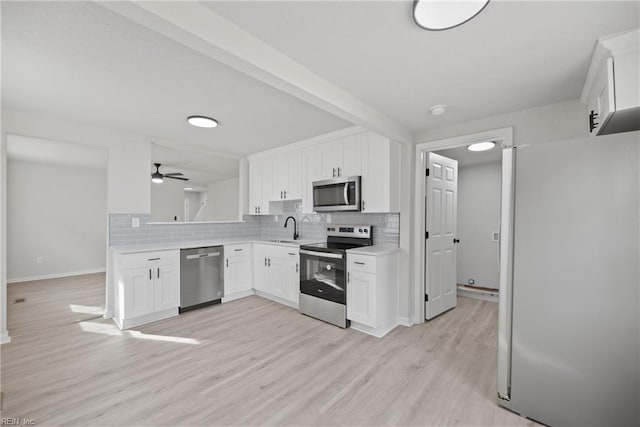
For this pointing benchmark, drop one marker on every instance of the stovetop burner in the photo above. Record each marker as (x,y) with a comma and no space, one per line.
(343,237)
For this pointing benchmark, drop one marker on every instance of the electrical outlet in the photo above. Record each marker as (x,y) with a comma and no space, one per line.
(471,281)
(496,236)
(39,260)
(135,222)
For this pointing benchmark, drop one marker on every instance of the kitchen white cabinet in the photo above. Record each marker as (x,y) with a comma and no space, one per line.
(612,88)
(286,182)
(147,287)
(380,174)
(372,292)
(260,171)
(375,158)
(276,272)
(237,271)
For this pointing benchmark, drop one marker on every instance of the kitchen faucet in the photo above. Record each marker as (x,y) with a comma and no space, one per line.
(295,227)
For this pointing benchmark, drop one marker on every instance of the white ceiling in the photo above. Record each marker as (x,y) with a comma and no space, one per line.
(470,158)
(38,150)
(200,168)
(81,61)
(513,55)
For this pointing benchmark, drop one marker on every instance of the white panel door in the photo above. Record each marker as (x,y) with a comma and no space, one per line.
(294,169)
(351,164)
(361,298)
(441,224)
(330,154)
(166,291)
(260,269)
(279,177)
(312,171)
(375,173)
(277,277)
(237,274)
(292,283)
(138,291)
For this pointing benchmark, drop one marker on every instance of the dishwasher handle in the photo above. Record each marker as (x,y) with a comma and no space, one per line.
(198,256)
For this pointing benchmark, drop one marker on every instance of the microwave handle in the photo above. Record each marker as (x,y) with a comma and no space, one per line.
(346,194)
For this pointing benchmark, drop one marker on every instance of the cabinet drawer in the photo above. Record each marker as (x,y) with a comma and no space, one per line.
(143,259)
(232,251)
(366,264)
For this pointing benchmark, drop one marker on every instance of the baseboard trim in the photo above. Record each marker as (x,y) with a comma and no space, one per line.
(376,332)
(478,294)
(5,338)
(237,295)
(277,299)
(404,321)
(56,276)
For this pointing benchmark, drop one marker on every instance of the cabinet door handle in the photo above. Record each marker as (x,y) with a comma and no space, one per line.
(290,253)
(265,261)
(592,121)
(281,195)
(349,277)
(285,194)
(334,172)
(238,250)
(358,262)
(363,205)
(339,172)
(158,272)
(269,265)
(150,277)
(227,262)
(258,209)
(153,259)
(297,267)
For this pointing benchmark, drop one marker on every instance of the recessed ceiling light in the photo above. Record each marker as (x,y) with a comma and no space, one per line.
(436,110)
(437,15)
(481,146)
(202,121)
(188,188)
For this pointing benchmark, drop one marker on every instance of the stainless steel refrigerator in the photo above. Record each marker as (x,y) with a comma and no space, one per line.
(569,330)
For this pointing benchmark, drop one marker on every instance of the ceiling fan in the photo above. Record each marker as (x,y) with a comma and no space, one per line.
(157,177)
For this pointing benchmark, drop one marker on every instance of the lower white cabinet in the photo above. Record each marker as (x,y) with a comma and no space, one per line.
(276,271)
(237,271)
(147,287)
(372,292)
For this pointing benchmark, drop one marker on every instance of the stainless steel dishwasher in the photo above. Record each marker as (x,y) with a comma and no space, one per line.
(201,277)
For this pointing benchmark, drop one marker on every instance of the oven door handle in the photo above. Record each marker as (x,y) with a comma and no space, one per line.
(321,254)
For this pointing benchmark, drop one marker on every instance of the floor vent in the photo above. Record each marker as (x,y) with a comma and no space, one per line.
(18,300)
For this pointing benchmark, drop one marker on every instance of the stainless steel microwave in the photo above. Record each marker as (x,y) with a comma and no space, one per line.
(341,194)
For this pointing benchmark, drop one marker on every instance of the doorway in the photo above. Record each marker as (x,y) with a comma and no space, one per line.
(433,297)
(56,233)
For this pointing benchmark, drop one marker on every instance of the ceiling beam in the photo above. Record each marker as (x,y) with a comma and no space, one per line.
(198,27)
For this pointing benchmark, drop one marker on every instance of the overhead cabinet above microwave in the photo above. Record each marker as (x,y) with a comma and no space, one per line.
(288,173)
(612,88)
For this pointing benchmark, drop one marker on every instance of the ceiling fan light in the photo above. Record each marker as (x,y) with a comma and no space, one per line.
(438,15)
(481,146)
(202,121)
(156,179)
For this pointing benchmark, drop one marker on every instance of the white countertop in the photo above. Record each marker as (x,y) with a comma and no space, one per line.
(200,244)
(375,250)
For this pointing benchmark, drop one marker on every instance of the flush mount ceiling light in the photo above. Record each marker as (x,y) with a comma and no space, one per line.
(481,146)
(436,110)
(438,15)
(188,188)
(202,121)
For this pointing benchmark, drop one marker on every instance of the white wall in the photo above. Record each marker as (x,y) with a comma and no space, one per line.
(167,200)
(478,218)
(58,213)
(223,201)
(193,199)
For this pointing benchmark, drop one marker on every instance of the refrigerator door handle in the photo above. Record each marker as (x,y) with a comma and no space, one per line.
(505,296)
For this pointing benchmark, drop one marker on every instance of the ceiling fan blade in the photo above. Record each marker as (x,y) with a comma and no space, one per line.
(176,177)
(173,174)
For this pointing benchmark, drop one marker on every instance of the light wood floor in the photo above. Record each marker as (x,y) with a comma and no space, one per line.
(251,362)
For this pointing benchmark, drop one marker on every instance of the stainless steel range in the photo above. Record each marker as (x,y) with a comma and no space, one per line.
(323,276)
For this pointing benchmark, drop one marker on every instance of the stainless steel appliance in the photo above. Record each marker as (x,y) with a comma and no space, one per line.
(339,194)
(323,273)
(201,277)
(568,345)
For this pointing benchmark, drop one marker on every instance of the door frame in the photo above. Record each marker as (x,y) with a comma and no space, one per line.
(503,138)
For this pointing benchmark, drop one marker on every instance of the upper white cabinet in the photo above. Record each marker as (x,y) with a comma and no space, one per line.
(380,174)
(259,186)
(147,287)
(612,88)
(286,182)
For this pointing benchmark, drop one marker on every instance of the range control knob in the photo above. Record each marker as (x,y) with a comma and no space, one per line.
(366,231)
(360,230)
